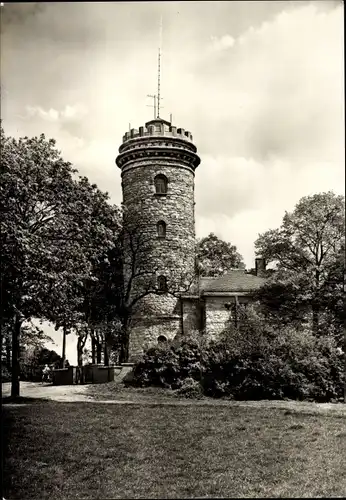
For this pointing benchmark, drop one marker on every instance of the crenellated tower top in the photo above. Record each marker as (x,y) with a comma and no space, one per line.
(158,127)
(158,139)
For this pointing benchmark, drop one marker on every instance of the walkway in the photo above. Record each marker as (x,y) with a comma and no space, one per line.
(78,393)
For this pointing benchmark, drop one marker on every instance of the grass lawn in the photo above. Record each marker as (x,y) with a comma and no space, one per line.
(90,450)
(118,391)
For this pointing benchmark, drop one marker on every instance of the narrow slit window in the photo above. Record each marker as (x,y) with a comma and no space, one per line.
(161,229)
(162,283)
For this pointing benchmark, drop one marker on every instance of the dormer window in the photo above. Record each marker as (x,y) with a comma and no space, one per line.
(161,184)
(161,229)
(162,284)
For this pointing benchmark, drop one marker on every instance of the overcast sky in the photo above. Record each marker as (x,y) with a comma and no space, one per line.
(260,85)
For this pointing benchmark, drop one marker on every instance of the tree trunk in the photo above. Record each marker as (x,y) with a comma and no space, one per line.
(79,352)
(63,347)
(15,386)
(105,354)
(93,350)
(316,304)
(99,352)
(125,343)
(80,374)
(8,352)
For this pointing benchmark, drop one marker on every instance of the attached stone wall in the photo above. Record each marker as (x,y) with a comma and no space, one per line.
(192,316)
(217,315)
(146,331)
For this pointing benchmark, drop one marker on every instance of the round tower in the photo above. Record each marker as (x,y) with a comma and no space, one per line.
(157,163)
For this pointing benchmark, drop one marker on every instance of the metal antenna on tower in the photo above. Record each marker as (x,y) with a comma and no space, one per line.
(150,105)
(159,72)
(158,85)
(157,98)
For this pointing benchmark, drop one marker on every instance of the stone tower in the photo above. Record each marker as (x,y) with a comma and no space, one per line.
(158,164)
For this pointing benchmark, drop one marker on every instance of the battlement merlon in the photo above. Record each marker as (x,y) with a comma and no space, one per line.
(158,127)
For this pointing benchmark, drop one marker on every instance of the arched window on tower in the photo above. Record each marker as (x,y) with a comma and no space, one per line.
(161,184)
(161,229)
(162,284)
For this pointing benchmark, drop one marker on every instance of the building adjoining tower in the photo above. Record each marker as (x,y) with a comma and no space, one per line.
(158,163)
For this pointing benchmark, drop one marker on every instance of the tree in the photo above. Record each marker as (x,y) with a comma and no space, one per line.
(32,337)
(102,296)
(215,256)
(55,230)
(83,300)
(307,251)
(32,361)
(35,187)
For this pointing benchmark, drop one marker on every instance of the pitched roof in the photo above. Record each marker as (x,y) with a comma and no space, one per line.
(236,280)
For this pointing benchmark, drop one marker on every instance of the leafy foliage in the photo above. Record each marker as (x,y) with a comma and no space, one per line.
(169,364)
(215,256)
(190,388)
(32,362)
(251,361)
(256,361)
(36,185)
(57,233)
(308,252)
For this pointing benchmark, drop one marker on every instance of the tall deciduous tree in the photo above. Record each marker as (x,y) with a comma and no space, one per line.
(54,231)
(215,256)
(81,300)
(35,188)
(308,252)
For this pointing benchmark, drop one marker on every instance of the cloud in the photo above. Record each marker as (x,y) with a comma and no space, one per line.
(69,113)
(238,198)
(222,43)
(279,91)
(70,119)
(20,14)
(96,160)
(50,115)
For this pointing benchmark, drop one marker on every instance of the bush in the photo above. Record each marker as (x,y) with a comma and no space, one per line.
(252,361)
(168,365)
(291,364)
(190,388)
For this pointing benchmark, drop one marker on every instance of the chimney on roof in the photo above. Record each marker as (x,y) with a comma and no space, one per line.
(260,264)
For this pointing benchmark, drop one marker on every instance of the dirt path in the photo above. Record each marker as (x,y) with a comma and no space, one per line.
(67,393)
(78,393)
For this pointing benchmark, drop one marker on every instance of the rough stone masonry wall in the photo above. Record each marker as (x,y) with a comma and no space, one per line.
(192,316)
(173,256)
(144,334)
(217,316)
